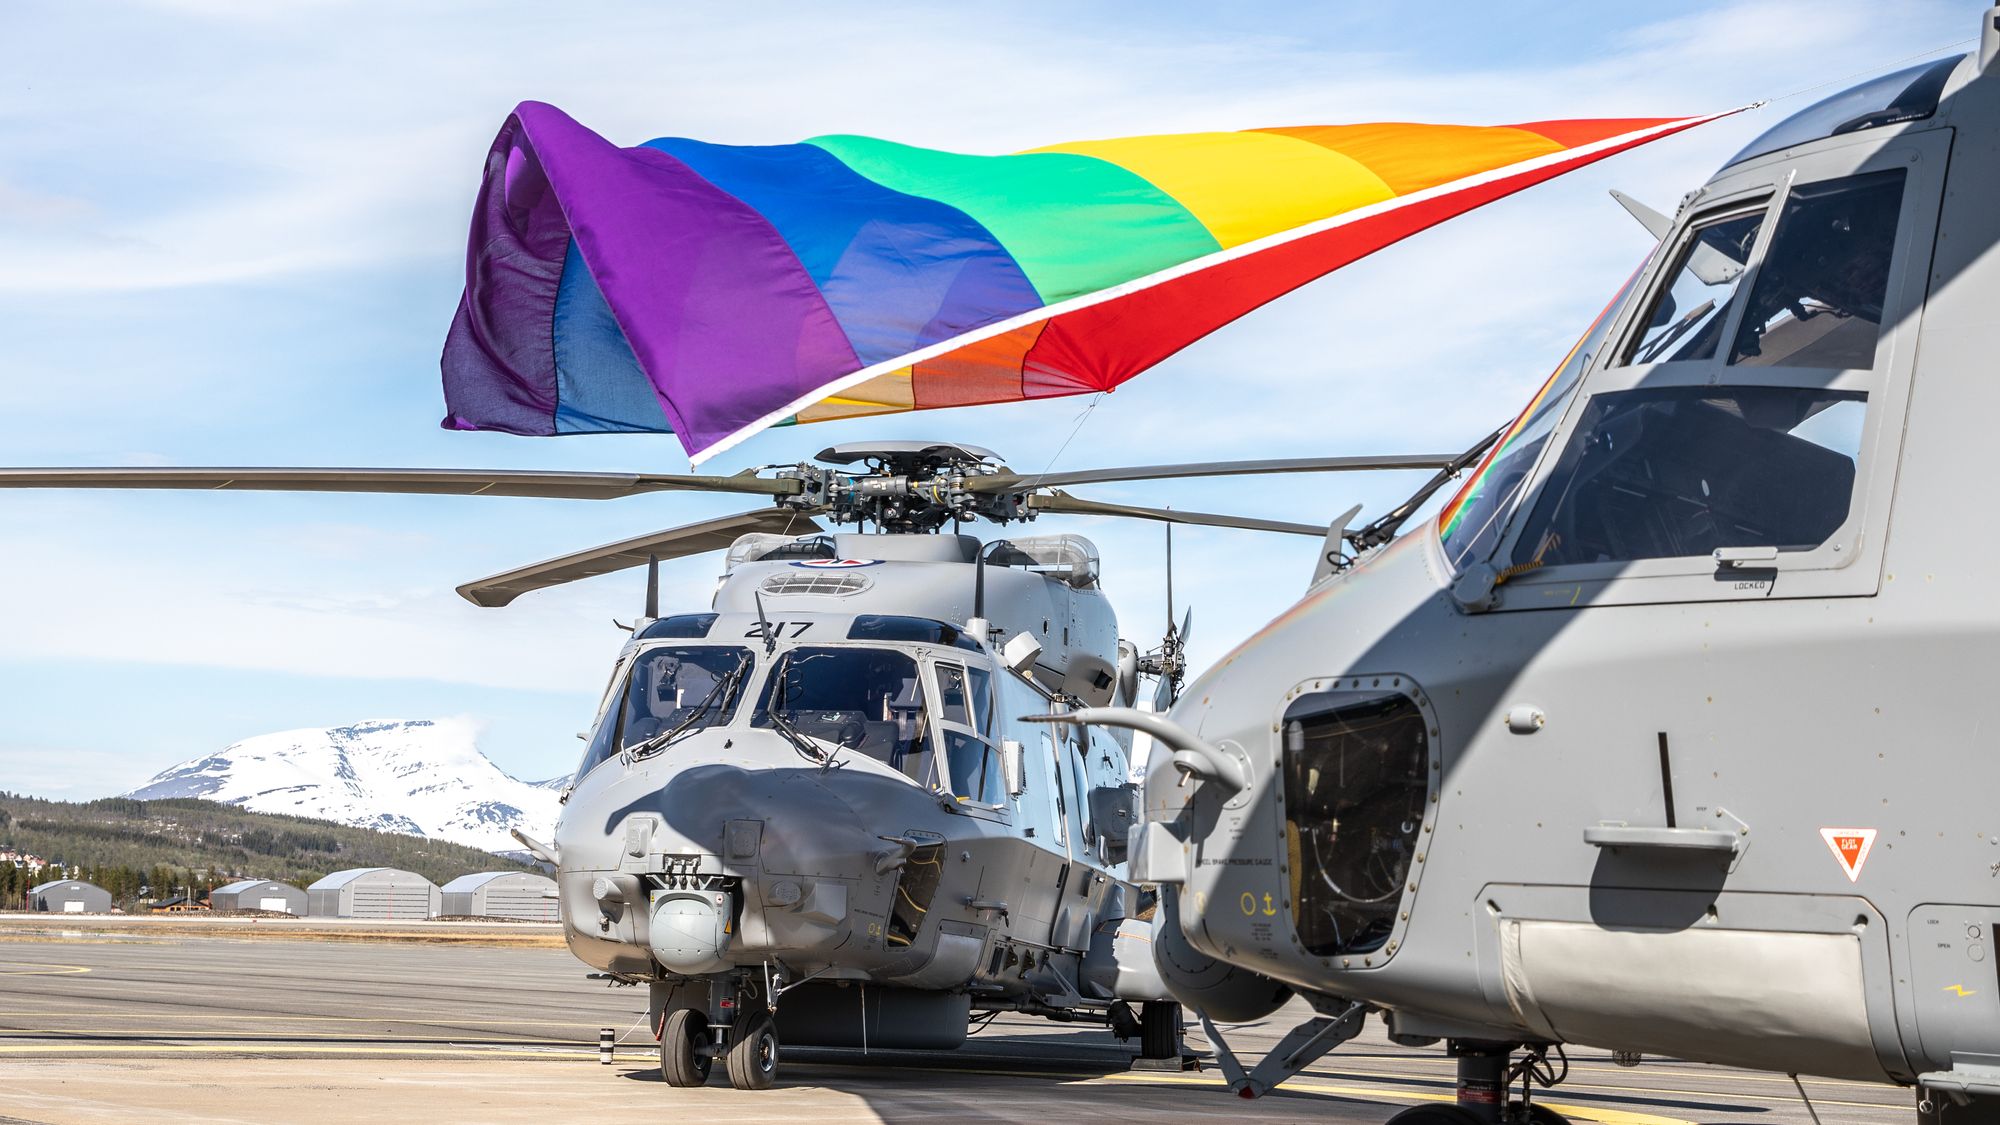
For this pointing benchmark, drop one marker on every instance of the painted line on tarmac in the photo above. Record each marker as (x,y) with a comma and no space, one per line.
(218,1017)
(1601,1114)
(1635,1090)
(1357,1065)
(40,969)
(303,1035)
(55,1051)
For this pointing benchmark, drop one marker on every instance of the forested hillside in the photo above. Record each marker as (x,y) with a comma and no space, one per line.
(124,844)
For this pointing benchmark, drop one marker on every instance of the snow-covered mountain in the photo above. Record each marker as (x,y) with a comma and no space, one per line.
(425,777)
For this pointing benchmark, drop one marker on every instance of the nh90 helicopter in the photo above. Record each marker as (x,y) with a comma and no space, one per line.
(814,812)
(1667,735)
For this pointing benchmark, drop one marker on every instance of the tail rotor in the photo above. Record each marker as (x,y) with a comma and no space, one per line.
(1169,661)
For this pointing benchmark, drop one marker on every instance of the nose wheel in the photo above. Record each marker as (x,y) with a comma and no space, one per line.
(685,1057)
(753,1051)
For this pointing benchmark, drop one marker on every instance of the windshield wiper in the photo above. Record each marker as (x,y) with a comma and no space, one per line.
(725,689)
(1382,530)
(807,748)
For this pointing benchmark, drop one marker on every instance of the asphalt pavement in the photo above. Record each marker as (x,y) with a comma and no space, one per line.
(111,1023)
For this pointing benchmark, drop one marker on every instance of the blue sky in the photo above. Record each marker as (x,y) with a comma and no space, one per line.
(234,234)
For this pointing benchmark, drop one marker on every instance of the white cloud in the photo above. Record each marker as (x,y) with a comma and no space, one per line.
(320,147)
(208,145)
(68,773)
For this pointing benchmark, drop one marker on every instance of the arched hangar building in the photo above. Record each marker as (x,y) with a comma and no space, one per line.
(501,894)
(69,896)
(258,894)
(373,892)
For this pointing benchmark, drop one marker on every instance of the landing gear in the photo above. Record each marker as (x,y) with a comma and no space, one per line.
(1160,1030)
(684,1048)
(753,1051)
(1485,1074)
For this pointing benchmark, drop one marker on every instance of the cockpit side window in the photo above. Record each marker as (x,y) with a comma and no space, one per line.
(1680,471)
(965,696)
(865,701)
(965,706)
(1689,311)
(1817,300)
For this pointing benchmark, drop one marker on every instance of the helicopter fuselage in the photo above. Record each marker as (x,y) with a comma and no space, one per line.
(796,803)
(1670,740)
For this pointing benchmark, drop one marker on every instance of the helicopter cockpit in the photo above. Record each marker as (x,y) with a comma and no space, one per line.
(877,692)
(1733,402)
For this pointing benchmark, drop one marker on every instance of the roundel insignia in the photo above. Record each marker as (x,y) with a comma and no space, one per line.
(836,564)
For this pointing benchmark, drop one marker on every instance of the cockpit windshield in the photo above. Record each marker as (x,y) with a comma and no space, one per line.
(1470,525)
(670,691)
(860,700)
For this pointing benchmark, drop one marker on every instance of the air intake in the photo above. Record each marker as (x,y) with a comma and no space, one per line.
(817,583)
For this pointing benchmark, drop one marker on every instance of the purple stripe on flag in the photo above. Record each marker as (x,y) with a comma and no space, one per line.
(723,318)
(499,367)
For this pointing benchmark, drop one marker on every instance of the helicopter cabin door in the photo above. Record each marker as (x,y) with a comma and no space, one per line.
(1047,812)
(1024,866)
(1085,881)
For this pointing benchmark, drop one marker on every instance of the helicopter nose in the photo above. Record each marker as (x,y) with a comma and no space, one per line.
(726,848)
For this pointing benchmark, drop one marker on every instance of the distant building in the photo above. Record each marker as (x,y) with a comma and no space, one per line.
(259,894)
(180,904)
(373,892)
(501,894)
(69,896)
(22,859)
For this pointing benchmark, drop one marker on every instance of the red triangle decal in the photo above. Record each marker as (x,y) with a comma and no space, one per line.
(1851,847)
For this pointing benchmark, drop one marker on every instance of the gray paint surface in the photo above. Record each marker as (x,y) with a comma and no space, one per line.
(1554,891)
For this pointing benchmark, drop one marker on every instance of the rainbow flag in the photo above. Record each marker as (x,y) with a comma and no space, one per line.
(714,290)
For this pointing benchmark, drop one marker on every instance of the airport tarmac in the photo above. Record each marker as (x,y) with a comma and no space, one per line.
(110,1023)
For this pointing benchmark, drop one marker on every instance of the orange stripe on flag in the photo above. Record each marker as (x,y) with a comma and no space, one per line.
(1410,157)
(1570,134)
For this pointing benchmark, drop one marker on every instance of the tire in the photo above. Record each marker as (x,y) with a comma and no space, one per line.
(1434,1115)
(1543,1115)
(753,1052)
(681,1063)
(1159,1029)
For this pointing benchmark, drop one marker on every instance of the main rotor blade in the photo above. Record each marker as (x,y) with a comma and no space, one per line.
(445,482)
(674,543)
(1076,505)
(1011,482)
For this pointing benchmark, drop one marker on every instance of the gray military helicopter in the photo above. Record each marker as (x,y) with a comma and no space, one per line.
(1665,735)
(815,812)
